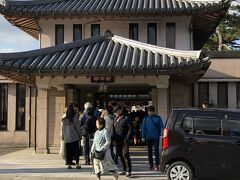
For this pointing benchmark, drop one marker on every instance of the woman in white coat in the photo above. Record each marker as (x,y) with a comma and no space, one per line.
(101,142)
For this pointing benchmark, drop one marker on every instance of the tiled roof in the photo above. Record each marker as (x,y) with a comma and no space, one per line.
(53,7)
(102,54)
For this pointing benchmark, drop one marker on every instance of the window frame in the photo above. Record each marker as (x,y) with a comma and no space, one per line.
(220,97)
(75,26)
(192,114)
(131,27)
(168,34)
(94,26)
(238,94)
(199,96)
(5,129)
(148,34)
(16,114)
(56,35)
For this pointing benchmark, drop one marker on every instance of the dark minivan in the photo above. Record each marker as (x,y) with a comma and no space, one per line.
(202,143)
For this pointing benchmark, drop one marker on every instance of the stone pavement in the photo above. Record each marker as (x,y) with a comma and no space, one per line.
(23,164)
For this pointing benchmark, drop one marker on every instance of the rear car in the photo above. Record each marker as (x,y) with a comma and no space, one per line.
(203,143)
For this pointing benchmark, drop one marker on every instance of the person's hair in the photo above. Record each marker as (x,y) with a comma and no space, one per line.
(88,105)
(101,123)
(70,113)
(109,109)
(118,109)
(75,106)
(151,108)
(124,110)
(113,103)
(90,112)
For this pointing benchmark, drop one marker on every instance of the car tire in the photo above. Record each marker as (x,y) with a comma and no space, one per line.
(179,171)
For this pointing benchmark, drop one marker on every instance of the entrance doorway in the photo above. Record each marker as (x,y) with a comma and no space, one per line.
(124,95)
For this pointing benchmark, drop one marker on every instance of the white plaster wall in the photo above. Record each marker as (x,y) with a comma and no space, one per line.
(118,26)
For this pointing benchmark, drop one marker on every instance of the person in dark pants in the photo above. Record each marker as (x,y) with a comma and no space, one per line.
(88,129)
(151,131)
(71,134)
(123,132)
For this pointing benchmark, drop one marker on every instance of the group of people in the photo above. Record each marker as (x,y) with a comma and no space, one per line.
(106,135)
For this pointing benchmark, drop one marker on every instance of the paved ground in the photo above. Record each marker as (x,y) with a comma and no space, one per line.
(23,164)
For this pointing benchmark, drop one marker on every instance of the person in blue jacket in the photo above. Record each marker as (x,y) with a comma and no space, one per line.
(151,131)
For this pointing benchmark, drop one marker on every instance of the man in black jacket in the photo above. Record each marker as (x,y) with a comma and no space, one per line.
(123,132)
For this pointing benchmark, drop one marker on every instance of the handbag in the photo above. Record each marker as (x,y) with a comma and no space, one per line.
(99,155)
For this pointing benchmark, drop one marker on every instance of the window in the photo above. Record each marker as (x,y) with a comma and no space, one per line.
(231,128)
(170,35)
(238,94)
(202,125)
(20,107)
(3,106)
(133,31)
(77,32)
(95,29)
(59,34)
(152,33)
(203,92)
(222,95)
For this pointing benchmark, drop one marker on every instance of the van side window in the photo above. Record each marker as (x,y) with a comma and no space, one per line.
(188,125)
(231,128)
(202,125)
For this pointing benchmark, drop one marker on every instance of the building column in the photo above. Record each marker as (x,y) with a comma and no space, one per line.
(232,95)
(42,121)
(213,93)
(155,98)
(195,94)
(163,102)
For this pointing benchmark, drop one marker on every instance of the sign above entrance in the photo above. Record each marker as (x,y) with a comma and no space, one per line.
(102,79)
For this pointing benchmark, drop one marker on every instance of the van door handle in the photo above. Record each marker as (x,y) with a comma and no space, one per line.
(190,140)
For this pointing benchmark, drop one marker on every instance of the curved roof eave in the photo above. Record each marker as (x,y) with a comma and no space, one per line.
(103,54)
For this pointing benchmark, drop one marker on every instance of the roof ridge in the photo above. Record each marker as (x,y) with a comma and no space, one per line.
(157,49)
(32,2)
(37,2)
(52,49)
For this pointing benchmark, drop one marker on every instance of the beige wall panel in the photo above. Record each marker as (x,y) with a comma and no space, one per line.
(56,106)
(6,138)
(12,137)
(181,95)
(195,93)
(11,107)
(42,121)
(33,115)
(48,82)
(20,138)
(228,68)
(232,96)
(163,103)
(118,26)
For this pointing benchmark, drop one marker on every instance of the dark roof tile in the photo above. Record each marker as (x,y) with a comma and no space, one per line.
(110,6)
(101,53)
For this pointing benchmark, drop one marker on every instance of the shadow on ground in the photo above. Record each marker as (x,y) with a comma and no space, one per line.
(8,150)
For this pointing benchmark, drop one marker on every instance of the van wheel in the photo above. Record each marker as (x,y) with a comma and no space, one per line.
(179,171)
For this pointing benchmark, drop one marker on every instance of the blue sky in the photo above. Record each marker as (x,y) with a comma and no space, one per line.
(13,39)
